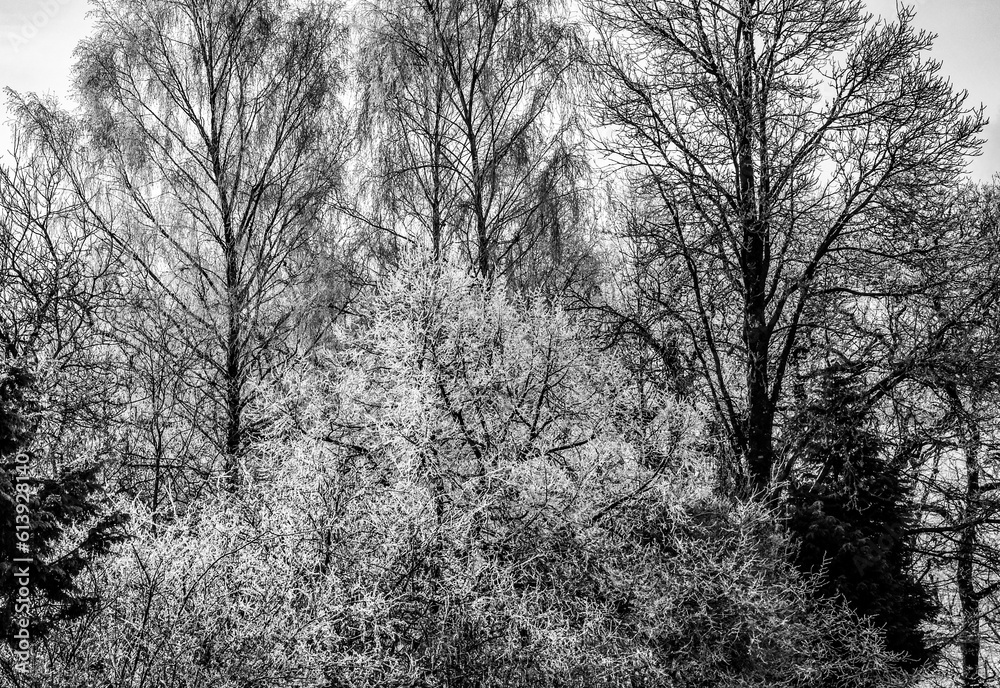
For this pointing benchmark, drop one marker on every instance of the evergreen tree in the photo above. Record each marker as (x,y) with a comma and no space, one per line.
(849,509)
(54,505)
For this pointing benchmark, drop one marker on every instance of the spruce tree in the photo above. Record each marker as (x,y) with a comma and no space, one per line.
(850,511)
(50,506)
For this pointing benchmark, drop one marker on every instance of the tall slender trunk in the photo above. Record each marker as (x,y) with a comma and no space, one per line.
(233,372)
(158,455)
(234,420)
(759,449)
(437,162)
(233,368)
(968,597)
(484,262)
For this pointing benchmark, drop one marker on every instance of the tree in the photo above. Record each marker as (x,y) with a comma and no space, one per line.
(947,405)
(923,373)
(852,514)
(51,527)
(56,284)
(58,509)
(770,144)
(59,281)
(471,153)
(213,131)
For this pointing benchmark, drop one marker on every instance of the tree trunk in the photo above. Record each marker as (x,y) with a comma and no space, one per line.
(965,575)
(233,368)
(759,449)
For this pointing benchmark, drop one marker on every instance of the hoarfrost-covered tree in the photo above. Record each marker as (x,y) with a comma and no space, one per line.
(458,497)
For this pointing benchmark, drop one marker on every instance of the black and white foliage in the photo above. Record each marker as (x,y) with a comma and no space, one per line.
(498,343)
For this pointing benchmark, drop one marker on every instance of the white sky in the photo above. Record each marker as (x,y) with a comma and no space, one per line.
(37,38)
(968,45)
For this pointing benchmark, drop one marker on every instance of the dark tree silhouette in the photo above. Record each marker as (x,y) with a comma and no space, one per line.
(49,506)
(768,141)
(852,514)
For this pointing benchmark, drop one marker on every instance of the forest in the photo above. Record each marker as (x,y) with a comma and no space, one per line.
(499,344)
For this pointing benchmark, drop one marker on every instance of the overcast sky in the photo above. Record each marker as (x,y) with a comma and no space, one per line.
(37,38)
(968,47)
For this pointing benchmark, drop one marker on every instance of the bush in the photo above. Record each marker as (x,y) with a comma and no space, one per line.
(460,499)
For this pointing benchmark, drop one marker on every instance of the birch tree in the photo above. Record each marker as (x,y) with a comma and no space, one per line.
(472,151)
(215,133)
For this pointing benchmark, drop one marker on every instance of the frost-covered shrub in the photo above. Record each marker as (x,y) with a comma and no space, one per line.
(462,497)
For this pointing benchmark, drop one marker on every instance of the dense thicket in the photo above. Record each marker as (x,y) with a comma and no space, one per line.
(455,500)
(497,343)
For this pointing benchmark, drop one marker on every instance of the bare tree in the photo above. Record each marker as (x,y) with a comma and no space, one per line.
(470,150)
(946,409)
(768,141)
(59,280)
(218,143)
